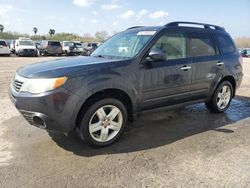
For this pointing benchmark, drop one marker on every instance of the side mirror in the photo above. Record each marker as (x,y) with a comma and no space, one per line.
(157,54)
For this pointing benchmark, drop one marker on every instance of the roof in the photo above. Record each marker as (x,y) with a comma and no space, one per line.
(180,24)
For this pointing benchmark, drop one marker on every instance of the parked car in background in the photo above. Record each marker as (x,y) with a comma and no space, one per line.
(90,47)
(240,51)
(25,47)
(4,48)
(72,48)
(76,48)
(38,45)
(164,66)
(246,53)
(12,46)
(50,47)
(65,47)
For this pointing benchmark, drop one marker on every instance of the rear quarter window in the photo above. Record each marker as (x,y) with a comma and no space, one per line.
(201,44)
(226,44)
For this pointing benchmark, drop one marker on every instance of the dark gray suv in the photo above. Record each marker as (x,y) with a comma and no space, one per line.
(140,69)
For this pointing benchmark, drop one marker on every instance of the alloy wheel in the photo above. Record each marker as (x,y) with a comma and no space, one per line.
(223,97)
(105,123)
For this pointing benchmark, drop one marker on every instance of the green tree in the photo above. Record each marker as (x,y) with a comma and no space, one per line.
(101,35)
(1,28)
(51,32)
(35,30)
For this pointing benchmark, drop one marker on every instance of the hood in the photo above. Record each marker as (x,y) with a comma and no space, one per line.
(62,67)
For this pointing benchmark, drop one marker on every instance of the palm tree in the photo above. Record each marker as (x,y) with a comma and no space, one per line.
(52,32)
(35,30)
(1,28)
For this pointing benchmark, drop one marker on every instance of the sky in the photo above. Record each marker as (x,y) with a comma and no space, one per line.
(89,16)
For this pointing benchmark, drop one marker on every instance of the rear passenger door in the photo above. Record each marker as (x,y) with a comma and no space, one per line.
(206,63)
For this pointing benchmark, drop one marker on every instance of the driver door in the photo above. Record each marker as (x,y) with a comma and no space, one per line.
(167,81)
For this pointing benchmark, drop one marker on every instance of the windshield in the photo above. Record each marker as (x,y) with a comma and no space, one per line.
(78,45)
(66,43)
(124,45)
(26,43)
(54,43)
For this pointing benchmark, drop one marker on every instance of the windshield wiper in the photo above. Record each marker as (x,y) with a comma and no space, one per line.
(101,56)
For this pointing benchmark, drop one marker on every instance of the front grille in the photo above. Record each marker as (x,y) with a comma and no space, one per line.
(28,50)
(17,85)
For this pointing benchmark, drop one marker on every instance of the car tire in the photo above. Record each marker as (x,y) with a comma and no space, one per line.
(99,127)
(221,98)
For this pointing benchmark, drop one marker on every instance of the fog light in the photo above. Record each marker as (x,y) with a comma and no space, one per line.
(39,122)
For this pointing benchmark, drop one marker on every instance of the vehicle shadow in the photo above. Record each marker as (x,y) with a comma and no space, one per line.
(162,128)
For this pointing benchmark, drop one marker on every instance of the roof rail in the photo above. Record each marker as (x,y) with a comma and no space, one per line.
(135,27)
(206,26)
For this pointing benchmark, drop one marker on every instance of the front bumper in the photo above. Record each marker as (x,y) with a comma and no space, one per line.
(53,51)
(74,51)
(55,110)
(28,53)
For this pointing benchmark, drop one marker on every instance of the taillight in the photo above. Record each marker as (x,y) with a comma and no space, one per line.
(241,60)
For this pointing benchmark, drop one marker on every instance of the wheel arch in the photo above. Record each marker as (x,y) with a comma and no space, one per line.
(119,94)
(230,79)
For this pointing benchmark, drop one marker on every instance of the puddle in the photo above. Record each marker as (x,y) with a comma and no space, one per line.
(238,110)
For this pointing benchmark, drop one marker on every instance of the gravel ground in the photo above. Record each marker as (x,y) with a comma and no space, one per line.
(187,147)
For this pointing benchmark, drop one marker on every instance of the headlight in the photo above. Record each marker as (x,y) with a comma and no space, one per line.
(42,85)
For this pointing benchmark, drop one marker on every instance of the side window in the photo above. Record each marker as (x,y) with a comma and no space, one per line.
(173,44)
(201,45)
(226,44)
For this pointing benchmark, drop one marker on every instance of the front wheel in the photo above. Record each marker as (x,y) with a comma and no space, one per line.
(104,122)
(221,98)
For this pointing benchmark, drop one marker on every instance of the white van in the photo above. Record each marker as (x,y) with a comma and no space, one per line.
(25,47)
(4,48)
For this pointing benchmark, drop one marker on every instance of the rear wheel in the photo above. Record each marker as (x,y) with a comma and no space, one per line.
(221,98)
(104,122)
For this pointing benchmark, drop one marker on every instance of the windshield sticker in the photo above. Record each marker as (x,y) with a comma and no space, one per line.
(146,33)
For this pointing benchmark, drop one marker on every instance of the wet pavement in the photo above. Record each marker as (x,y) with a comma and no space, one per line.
(186,147)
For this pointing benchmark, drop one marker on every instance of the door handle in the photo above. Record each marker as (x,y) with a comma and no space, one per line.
(185,68)
(220,63)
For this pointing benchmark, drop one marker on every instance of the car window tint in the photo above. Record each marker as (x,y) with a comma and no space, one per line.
(53,43)
(173,44)
(2,43)
(66,43)
(201,45)
(94,45)
(226,44)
